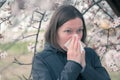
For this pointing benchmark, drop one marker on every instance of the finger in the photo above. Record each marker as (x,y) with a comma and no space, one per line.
(72,42)
(75,42)
(78,45)
(83,54)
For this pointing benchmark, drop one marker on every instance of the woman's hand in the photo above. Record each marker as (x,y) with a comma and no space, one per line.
(74,51)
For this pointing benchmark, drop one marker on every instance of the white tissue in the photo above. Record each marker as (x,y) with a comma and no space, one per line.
(82,45)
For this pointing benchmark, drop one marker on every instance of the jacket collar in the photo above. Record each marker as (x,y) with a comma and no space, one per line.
(50,47)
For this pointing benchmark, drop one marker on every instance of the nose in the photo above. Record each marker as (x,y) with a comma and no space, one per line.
(78,35)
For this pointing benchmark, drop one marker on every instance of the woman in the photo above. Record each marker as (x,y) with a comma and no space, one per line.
(58,62)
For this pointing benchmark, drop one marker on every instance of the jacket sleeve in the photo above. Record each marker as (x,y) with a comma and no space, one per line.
(41,72)
(71,71)
(97,71)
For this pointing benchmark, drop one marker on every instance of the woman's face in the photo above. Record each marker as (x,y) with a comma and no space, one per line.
(68,29)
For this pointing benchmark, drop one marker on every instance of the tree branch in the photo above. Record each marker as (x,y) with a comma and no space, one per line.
(103,10)
(91,6)
(20,63)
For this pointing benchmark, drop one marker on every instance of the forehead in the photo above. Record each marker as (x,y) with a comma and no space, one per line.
(73,23)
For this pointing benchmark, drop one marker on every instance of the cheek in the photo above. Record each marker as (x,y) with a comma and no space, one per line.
(62,39)
(80,36)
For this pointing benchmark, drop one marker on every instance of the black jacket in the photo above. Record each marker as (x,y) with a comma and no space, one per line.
(52,64)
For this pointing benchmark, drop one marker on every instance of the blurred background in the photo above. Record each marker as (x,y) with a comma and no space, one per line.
(23,23)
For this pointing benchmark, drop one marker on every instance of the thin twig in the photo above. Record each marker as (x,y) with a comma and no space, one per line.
(20,63)
(36,42)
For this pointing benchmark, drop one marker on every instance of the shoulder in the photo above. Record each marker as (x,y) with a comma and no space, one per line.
(44,54)
(88,49)
(92,57)
(90,52)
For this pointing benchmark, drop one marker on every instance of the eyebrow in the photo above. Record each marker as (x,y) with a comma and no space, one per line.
(81,27)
